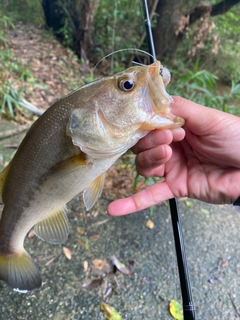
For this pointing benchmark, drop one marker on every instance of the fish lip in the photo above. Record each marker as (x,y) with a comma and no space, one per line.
(160,99)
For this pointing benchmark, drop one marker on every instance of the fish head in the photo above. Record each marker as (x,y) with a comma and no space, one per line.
(123,108)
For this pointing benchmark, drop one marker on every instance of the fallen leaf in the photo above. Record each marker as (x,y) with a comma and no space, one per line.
(204,211)
(67,252)
(109,312)
(80,230)
(150,224)
(83,244)
(189,204)
(224,263)
(81,215)
(85,265)
(176,310)
(92,283)
(100,267)
(87,244)
(50,261)
(95,237)
(108,293)
(215,280)
(98,223)
(120,266)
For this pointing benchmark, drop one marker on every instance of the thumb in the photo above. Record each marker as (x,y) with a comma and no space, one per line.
(198,119)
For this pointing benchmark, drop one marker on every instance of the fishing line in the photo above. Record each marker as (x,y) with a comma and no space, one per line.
(126,49)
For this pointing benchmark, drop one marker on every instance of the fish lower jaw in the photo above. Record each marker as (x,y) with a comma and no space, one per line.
(120,149)
(96,154)
(166,121)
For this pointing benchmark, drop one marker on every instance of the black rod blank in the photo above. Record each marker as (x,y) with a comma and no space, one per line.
(188,306)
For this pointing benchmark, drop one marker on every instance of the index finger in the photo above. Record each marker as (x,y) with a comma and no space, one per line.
(153,139)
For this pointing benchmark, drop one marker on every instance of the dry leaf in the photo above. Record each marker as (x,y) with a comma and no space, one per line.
(99,264)
(92,283)
(150,224)
(100,267)
(81,243)
(95,237)
(120,266)
(224,263)
(67,252)
(85,265)
(50,261)
(80,230)
(81,215)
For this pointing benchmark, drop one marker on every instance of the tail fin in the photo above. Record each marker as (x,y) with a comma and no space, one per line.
(19,271)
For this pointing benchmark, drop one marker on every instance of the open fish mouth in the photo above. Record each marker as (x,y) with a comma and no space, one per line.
(160,99)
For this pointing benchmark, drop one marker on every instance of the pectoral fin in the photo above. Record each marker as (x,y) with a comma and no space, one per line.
(69,165)
(3,177)
(54,229)
(93,192)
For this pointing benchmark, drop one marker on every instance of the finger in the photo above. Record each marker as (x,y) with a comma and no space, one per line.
(150,196)
(153,139)
(198,119)
(148,160)
(178,134)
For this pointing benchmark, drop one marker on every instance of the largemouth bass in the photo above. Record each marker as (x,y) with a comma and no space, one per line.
(67,151)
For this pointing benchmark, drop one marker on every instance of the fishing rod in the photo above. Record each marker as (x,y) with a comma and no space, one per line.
(188,306)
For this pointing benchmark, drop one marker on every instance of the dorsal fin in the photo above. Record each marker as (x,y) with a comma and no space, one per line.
(93,192)
(53,229)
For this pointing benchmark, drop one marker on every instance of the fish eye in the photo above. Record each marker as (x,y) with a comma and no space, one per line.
(126,84)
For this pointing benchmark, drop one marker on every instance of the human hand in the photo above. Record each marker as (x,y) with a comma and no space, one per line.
(204,166)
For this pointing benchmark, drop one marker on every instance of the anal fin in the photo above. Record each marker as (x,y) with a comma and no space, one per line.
(93,192)
(53,229)
(19,271)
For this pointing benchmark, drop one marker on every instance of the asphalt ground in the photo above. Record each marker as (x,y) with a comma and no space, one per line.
(211,239)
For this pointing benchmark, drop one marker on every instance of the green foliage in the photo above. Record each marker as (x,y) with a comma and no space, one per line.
(117,25)
(11,67)
(27,11)
(5,22)
(10,99)
(227,62)
(200,86)
(67,33)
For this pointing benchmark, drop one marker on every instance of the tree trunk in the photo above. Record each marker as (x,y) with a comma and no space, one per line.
(88,9)
(78,17)
(172,25)
(164,33)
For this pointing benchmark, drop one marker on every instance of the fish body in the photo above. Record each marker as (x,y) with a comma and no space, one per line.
(67,151)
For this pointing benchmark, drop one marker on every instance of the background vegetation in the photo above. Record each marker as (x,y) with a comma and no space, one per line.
(199,43)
